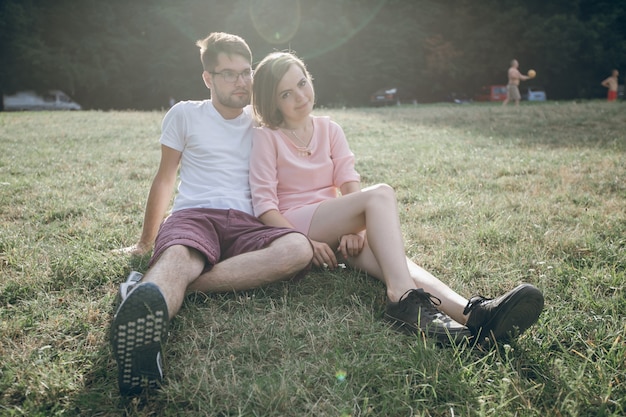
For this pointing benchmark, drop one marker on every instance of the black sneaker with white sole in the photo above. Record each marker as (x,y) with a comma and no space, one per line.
(415,313)
(138,333)
(501,319)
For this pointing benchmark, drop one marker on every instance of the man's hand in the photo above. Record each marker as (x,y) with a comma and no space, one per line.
(138,249)
(323,255)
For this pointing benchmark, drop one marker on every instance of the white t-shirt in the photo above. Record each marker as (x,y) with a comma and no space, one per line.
(215,156)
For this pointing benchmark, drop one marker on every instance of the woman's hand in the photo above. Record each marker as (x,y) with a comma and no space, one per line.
(351,245)
(323,255)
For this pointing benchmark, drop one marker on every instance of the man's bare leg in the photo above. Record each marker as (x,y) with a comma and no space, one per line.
(178,269)
(282,259)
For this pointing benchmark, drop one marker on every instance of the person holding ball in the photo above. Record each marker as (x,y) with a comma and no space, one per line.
(512,88)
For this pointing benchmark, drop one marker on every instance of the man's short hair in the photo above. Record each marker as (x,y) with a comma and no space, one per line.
(220,42)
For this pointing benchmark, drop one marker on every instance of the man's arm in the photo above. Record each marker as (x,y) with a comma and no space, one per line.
(515,75)
(158,200)
(522,76)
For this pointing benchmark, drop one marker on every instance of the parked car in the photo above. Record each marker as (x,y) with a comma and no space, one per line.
(534,93)
(385,97)
(491,93)
(30,100)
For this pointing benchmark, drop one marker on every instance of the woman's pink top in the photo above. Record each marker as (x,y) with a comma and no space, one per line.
(283,179)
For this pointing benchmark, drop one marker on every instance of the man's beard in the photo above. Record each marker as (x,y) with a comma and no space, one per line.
(231,100)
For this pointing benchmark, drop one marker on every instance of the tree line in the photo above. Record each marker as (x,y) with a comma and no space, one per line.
(137,54)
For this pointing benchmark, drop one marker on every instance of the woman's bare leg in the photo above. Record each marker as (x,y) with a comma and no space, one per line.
(374,209)
(451,303)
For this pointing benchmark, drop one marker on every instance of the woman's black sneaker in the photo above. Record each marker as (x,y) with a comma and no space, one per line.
(501,319)
(415,313)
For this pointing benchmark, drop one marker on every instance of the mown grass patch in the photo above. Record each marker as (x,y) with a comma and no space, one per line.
(489,197)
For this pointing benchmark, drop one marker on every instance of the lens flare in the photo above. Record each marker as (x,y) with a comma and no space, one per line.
(280,22)
(276,21)
(340,375)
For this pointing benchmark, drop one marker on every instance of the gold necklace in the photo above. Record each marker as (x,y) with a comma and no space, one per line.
(302,148)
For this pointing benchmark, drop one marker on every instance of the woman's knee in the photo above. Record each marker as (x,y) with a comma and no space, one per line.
(380,192)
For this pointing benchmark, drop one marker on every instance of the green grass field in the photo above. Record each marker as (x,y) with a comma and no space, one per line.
(489,197)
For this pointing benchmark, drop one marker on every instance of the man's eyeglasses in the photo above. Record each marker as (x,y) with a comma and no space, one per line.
(232,76)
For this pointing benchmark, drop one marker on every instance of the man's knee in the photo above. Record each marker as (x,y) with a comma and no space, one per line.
(294,248)
(301,247)
(181,253)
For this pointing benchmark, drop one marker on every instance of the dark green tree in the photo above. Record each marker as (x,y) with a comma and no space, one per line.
(120,54)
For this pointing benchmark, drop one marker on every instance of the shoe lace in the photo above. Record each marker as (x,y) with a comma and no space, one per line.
(418,295)
(473,303)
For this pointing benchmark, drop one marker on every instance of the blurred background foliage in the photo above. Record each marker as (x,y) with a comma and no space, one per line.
(120,54)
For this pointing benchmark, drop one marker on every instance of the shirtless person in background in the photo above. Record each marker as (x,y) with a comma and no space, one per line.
(612,83)
(512,88)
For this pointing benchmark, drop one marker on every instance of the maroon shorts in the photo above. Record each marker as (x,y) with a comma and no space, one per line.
(217,234)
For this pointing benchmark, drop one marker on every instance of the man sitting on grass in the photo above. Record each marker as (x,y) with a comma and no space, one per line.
(211,242)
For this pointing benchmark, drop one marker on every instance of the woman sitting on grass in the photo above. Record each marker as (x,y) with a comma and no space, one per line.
(299,165)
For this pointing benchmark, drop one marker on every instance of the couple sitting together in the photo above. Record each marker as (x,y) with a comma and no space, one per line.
(265,192)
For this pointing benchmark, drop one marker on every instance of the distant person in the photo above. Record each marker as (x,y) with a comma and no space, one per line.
(512,88)
(210,242)
(171,102)
(299,165)
(612,83)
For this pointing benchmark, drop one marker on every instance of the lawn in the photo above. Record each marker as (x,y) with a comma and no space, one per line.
(489,197)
